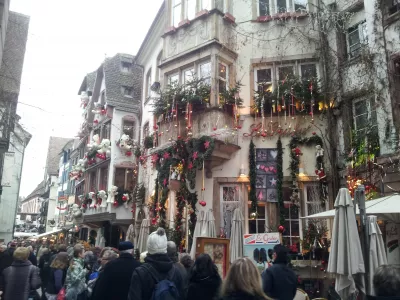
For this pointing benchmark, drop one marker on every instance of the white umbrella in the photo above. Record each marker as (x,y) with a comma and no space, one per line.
(346,258)
(208,229)
(236,245)
(197,232)
(143,235)
(377,253)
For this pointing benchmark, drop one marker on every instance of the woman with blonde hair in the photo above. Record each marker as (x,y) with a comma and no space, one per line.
(243,282)
(58,272)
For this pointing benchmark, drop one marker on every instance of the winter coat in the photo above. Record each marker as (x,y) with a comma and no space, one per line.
(142,282)
(204,287)
(56,280)
(32,258)
(44,266)
(5,260)
(19,280)
(76,275)
(241,296)
(383,298)
(113,283)
(279,282)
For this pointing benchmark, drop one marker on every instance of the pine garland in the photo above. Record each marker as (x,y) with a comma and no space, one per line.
(279,182)
(252,177)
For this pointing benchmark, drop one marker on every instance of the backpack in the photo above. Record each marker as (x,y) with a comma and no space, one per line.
(164,289)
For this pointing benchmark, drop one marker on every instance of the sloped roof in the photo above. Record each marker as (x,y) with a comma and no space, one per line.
(38,191)
(115,79)
(88,82)
(56,144)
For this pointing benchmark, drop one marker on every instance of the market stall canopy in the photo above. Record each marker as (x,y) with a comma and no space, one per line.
(24,234)
(385,208)
(46,234)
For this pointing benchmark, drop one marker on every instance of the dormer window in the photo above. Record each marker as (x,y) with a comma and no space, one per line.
(126,67)
(127,91)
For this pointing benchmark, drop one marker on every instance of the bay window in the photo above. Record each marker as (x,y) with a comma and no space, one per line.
(223,79)
(129,128)
(205,72)
(123,179)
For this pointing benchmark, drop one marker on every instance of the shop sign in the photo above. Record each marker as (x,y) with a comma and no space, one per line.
(62,198)
(261,238)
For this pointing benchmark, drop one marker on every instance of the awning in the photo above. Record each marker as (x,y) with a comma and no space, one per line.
(385,208)
(46,234)
(24,234)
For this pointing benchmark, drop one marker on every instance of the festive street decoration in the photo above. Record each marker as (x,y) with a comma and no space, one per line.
(252,177)
(102,198)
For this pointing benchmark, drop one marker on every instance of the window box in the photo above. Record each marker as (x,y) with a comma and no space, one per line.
(170,30)
(228,17)
(202,13)
(184,23)
(264,18)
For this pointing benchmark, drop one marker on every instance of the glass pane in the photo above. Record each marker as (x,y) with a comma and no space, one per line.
(205,70)
(287,228)
(173,79)
(221,85)
(294,212)
(230,193)
(129,128)
(206,4)
(119,178)
(281,6)
(360,108)
(285,72)
(308,71)
(354,38)
(252,226)
(261,226)
(300,5)
(263,6)
(373,120)
(295,228)
(227,214)
(188,76)
(176,15)
(361,121)
(191,9)
(264,75)
(222,71)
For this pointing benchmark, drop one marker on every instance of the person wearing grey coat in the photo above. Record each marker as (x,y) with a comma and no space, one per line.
(21,280)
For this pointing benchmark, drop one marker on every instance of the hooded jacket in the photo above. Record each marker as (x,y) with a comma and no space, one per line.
(143,283)
(204,286)
(18,280)
(76,276)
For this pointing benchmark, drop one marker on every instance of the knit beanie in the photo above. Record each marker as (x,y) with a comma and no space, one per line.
(157,242)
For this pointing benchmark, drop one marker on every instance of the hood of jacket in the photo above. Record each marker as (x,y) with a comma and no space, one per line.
(212,280)
(21,263)
(161,262)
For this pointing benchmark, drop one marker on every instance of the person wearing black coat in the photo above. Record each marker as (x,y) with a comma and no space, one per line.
(114,282)
(157,263)
(204,281)
(386,283)
(5,258)
(279,281)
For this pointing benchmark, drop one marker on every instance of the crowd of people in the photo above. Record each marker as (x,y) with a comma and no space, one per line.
(115,274)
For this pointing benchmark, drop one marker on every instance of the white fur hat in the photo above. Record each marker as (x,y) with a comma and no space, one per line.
(157,242)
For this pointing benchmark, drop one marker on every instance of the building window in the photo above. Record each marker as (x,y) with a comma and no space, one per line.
(129,128)
(205,4)
(92,181)
(300,5)
(123,179)
(266,179)
(281,6)
(188,76)
(308,72)
(103,179)
(392,6)
(146,130)
(365,119)
(106,131)
(257,225)
(357,38)
(173,79)
(148,84)
(230,200)
(285,72)
(176,12)
(191,9)
(263,80)
(263,8)
(127,91)
(291,235)
(205,72)
(222,78)
(126,67)
(158,71)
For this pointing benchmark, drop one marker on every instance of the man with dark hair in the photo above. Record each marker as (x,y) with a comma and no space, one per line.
(114,281)
(386,283)
(279,281)
(172,253)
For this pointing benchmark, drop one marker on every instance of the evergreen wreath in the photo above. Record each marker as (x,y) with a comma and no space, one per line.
(252,177)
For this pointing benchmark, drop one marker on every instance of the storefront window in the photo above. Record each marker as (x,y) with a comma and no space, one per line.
(257,225)
(230,195)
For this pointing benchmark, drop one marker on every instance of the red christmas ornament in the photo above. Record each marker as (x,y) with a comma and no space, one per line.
(124,198)
(128,153)
(84,205)
(215,128)
(96,121)
(322,269)
(179,137)
(263,134)
(203,203)
(115,203)
(314,133)
(154,221)
(239,127)
(281,229)
(103,112)
(297,151)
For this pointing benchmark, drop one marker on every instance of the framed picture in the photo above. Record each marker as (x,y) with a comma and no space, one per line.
(218,249)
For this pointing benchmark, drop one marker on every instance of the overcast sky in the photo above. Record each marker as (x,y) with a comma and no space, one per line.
(68,39)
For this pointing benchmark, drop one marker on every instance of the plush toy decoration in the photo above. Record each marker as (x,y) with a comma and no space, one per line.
(126,199)
(321,174)
(92,196)
(111,194)
(103,196)
(76,213)
(105,148)
(319,151)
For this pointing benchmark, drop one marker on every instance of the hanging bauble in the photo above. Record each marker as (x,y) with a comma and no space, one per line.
(281,229)
(203,203)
